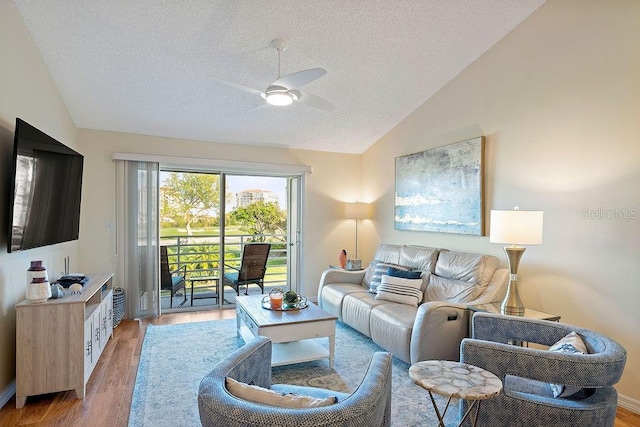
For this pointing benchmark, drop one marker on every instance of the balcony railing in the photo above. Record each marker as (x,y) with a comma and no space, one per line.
(201,256)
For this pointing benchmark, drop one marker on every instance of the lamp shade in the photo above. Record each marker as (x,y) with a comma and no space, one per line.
(357,210)
(516,227)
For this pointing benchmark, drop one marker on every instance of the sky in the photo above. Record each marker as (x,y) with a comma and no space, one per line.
(237,183)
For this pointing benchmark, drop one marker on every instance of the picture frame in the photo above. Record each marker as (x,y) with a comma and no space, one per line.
(442,189)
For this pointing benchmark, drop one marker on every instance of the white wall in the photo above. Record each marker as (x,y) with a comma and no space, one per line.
(558,100)
(26,91)
(335,178)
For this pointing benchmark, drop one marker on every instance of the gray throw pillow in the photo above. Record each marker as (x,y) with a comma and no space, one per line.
(380,268)
(572,344)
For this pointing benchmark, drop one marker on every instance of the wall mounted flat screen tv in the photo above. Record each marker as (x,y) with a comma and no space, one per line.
(44,201)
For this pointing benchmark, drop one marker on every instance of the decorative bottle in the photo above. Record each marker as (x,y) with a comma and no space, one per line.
(342,258)
(38,288)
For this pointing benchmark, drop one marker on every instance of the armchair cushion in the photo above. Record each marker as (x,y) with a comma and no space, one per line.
(265,396)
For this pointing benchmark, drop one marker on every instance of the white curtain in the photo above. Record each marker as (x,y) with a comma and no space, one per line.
(138,250)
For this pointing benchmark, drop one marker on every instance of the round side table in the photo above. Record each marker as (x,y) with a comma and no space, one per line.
(456,381)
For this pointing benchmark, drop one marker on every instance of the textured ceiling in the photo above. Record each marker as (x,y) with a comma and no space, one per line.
(148,66)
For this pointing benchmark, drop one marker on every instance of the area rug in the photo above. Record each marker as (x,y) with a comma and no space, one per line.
(175,358)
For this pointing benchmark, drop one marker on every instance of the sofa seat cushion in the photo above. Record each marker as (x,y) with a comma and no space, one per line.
(391,327)
(356,310)
(333,296)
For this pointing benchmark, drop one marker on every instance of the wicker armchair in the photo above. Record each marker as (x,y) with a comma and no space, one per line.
(369,405)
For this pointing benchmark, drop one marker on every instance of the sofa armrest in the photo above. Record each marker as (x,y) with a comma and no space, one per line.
(333,275)
(438,329)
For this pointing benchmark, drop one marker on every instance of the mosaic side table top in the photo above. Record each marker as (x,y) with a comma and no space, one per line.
(456,380)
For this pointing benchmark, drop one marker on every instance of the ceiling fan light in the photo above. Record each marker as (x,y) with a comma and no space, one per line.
(279,98)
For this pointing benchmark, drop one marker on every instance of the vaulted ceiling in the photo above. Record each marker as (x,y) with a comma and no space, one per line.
(154,67)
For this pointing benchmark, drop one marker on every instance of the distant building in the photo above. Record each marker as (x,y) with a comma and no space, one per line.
(247,197)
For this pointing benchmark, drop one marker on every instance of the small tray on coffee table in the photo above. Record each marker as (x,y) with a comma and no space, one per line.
(266,303)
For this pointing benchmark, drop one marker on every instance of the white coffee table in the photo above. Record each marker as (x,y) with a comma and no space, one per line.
(296,334)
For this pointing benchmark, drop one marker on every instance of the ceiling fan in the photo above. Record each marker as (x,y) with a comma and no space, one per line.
(284,90)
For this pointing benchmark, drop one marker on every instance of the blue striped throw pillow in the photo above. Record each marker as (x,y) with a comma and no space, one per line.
(399,289)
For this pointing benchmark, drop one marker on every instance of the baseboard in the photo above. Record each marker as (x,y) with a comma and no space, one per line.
(7,393)
(629,404)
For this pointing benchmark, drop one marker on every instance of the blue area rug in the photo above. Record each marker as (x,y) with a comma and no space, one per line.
(174,359)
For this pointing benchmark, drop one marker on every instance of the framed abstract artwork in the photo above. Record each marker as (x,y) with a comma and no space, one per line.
(441,190)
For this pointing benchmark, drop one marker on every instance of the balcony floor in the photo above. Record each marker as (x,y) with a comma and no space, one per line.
(205,303)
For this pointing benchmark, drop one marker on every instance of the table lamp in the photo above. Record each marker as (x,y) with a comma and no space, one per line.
(357,211)
(515,228)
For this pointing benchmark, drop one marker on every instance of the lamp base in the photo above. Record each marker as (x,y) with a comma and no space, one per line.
(512,304)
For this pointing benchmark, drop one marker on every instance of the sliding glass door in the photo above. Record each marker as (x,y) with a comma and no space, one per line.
(208,217)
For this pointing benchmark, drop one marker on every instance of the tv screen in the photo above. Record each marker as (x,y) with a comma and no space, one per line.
(44,205)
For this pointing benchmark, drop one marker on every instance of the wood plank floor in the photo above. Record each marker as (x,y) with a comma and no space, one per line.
(110,387)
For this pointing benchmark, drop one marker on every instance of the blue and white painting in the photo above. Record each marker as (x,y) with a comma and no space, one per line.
(440,190)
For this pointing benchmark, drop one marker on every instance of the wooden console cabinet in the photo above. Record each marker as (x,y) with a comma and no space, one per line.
(58,342)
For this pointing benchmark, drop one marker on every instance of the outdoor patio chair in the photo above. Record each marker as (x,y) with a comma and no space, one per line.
(252,268)
(172,280)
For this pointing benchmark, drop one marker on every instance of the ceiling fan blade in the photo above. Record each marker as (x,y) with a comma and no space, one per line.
(314,101)
(259,106)
(300,78)
(237,86)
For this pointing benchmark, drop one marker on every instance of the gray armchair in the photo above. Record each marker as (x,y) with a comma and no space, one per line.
(527,373)
(369,405)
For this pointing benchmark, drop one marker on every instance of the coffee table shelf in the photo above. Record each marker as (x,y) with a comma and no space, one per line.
(296,335)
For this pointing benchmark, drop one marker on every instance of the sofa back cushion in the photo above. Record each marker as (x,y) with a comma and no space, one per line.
(385,254)
(471,268)
(405,257)
(460,277)
(378,269)
(419,257)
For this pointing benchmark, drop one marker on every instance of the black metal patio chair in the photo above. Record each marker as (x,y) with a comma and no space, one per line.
(252,268)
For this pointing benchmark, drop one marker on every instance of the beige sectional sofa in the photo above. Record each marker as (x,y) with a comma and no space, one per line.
(433,328)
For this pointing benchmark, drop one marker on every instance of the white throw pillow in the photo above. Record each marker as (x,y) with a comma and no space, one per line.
(399,289)
(573,344)
(264,396)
